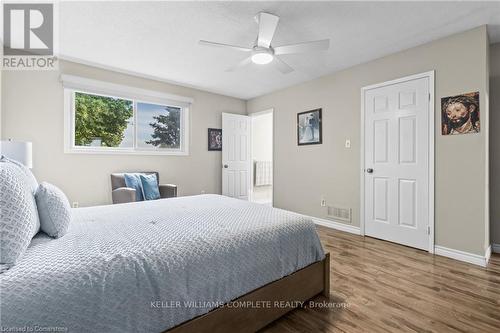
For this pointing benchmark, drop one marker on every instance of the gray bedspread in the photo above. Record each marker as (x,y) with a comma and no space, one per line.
(148,266)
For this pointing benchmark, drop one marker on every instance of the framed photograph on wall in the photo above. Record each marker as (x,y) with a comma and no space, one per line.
(214,139)
(460,114)
(309,128)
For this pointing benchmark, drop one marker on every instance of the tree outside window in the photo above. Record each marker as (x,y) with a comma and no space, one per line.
(102,121)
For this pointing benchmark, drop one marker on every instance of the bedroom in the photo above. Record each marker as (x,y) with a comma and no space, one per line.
(347,218)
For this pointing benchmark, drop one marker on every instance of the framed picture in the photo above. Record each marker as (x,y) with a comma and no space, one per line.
(214,139)
(309,129)
(460,114)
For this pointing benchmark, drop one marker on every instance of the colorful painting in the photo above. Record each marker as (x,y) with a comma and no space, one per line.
(460,114)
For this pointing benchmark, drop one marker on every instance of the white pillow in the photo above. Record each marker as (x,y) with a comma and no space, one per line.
(18,213)
(54,210)
(29,177)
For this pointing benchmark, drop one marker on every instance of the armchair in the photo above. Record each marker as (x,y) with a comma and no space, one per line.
(122,194)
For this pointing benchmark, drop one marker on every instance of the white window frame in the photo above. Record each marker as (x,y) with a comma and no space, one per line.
(74,84)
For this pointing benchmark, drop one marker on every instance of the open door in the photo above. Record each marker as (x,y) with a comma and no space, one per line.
(236,155)
(262,157)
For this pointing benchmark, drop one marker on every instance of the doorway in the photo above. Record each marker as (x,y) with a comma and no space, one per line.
(397,181)
(262,157)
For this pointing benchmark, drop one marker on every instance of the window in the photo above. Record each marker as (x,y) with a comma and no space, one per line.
(158,126)
(102,121)
(130,121)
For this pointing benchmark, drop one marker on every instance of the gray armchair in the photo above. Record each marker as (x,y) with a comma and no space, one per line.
(122,194)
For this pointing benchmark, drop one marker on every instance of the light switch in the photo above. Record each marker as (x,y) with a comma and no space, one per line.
(348,143)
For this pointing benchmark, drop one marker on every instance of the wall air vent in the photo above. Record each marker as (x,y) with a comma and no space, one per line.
(341,214)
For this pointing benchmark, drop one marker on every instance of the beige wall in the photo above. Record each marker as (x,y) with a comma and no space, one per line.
(1,101)
(304,174)
(495,142)
(33,110)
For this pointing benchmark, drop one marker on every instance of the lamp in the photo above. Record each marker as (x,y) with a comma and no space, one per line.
(262,56)
(18,151)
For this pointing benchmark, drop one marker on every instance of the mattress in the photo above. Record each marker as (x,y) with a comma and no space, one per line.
(149,266)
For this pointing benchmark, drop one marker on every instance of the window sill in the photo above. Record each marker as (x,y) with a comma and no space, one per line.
(124,152)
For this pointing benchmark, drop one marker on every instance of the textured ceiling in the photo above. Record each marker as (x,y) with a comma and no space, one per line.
(159,39)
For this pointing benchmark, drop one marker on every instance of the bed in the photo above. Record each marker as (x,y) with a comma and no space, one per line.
(166,265)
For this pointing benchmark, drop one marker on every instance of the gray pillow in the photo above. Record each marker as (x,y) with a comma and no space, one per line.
(54,210)
(18,213)
(29,177)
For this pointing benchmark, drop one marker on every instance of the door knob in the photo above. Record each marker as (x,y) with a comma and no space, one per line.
(226,166)
(369,170)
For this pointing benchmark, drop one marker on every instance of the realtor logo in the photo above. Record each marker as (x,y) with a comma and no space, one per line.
(28,29)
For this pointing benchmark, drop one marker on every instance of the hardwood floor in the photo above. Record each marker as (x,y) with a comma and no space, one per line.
(384,287)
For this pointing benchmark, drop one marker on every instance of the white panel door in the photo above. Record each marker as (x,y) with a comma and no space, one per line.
(236,155)
(396,175)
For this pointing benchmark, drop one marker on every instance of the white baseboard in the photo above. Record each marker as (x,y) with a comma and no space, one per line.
(463,256)
(438,250)
(337,225)
(487,255)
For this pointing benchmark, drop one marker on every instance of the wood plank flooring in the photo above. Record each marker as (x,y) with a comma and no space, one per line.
(384,287)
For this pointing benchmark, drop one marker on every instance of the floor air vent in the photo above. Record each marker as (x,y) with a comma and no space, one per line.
(342,214)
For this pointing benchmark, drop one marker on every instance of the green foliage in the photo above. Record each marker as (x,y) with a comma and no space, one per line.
(166,129)
(101,117)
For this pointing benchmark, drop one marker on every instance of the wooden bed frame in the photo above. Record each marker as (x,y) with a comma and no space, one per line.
(300,286)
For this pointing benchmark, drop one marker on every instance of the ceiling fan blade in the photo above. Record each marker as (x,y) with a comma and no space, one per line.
(318,45)
(235,47)
(267,27)
(242,63)
(282,66)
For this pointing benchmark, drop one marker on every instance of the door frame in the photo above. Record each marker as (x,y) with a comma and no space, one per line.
(432,130)
(252,115)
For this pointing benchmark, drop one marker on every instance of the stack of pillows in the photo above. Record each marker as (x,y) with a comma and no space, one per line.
(27,207)
(146,186)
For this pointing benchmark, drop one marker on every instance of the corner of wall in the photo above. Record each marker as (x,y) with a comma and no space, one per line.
(247,107)
(486,126)
(494,141)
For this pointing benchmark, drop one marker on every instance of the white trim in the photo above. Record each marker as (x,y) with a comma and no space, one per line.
(336,225)
(431,76)
(487,255)
(111,151)
(432,163)
(74,84)
(495,248)
(400,80)
(68,140)
(462,256)
(261,113)
(119,90)
(253,115)
(362,167)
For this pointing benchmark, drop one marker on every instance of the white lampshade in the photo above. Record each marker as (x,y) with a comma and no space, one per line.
(18,151)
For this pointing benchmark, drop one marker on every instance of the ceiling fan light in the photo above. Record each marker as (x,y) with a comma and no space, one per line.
(262,58)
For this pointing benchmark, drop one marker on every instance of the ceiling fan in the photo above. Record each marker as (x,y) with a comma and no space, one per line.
(263,52)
